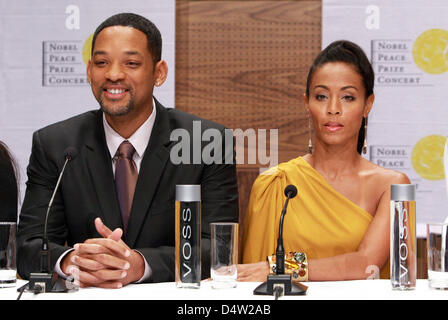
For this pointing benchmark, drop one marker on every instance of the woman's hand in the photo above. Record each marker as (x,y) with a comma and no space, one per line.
(253,271)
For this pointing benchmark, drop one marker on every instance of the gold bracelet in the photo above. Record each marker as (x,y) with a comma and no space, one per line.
(296,264)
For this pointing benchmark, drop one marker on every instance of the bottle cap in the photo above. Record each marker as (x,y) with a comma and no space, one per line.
(188,192)
(402,192)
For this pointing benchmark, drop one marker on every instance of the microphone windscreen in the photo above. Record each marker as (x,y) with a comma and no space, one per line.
(291,191)
(70,153)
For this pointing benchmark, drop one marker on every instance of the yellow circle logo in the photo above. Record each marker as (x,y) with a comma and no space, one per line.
(87,49)
(430,51)
(427,157)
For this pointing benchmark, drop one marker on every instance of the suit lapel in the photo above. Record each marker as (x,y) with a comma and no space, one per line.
(99,166)
(151,169)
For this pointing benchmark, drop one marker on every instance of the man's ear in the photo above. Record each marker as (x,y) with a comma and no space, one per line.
(88,71)
(160,73)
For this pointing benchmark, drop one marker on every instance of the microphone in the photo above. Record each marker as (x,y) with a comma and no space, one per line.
(280,283)
(44,280)
(70,153)
(290,192)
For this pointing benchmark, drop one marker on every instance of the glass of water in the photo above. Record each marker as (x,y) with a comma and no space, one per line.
(224,254)
(8,268)
(437,245)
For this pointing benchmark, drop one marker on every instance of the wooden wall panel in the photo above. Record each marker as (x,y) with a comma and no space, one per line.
(244,64)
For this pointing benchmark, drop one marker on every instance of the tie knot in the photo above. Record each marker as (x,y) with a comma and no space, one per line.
(125,150)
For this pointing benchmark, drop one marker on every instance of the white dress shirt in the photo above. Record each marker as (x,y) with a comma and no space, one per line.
(139,141)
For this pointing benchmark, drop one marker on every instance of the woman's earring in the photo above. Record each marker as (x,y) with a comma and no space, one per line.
(364,147)
(310,143)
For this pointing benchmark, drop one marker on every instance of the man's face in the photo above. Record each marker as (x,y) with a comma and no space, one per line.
(121,71)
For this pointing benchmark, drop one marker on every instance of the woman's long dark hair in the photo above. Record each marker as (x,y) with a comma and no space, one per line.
(5,156)
(350,53)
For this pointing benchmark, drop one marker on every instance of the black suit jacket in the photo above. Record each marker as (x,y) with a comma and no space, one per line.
(87,191)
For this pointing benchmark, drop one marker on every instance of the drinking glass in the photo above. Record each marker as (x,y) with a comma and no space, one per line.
(437,242)
(224,254)
(8,268)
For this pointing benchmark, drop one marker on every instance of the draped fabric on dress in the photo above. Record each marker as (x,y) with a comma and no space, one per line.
(319,221)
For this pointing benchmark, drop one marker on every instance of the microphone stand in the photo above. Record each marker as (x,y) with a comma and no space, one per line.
(46,281)
(279,284)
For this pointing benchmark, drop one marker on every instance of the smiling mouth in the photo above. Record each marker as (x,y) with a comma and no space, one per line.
(115,93)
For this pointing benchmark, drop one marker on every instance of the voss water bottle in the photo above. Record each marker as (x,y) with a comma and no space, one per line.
(403,245)
(188,236)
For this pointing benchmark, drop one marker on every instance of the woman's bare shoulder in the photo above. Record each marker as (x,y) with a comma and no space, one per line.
(384,175)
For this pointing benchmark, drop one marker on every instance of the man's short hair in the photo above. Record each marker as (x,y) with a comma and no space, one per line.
(138,22)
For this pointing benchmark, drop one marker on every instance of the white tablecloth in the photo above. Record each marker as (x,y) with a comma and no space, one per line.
(341,290)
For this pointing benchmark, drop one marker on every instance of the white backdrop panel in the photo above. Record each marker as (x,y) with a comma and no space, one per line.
(407,43)
(43,67)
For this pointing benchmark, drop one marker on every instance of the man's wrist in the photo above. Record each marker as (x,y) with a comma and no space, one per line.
(147,271)
(63,263)
(138,265)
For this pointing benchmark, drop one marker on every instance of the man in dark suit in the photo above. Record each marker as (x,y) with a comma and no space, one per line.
(115,206)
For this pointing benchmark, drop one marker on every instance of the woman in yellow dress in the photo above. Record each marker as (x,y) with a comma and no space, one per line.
(339,219)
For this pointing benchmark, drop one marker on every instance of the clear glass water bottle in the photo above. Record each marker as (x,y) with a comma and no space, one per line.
(403,242)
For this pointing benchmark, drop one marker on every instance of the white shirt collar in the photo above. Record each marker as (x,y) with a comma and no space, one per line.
(139,139)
